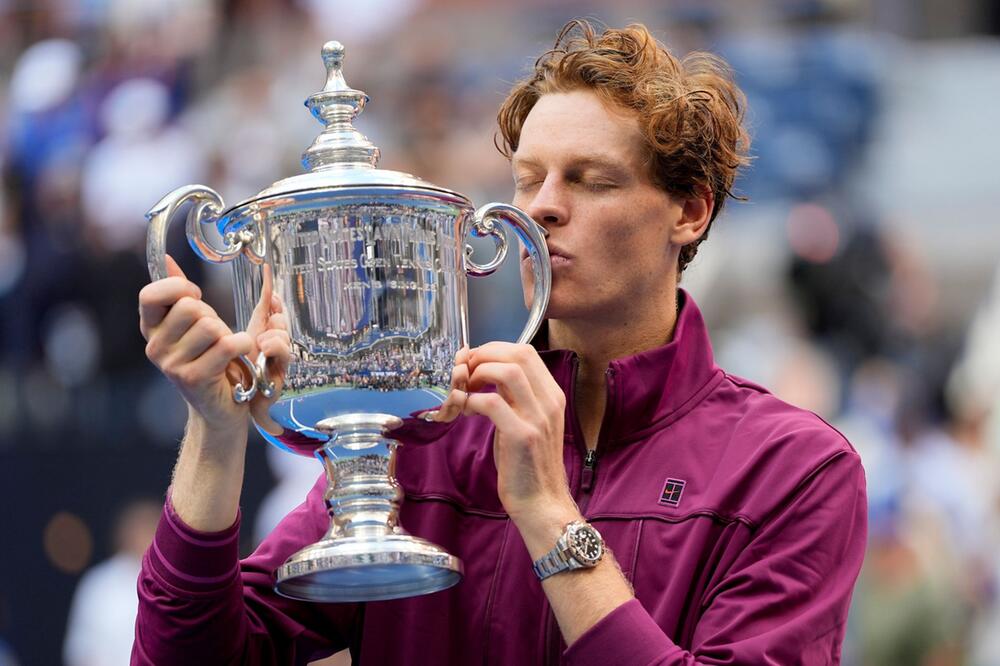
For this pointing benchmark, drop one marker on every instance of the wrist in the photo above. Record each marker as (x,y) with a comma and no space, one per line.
(540,529)
(210,440)
(208,477)
(579,547)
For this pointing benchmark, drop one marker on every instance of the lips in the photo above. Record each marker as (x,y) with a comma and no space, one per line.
(555,253)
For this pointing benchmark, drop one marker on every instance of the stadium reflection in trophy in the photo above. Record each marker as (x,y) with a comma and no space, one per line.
(370,266)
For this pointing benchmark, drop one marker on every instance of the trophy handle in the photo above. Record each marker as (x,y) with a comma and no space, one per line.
(206,209)
(533,237)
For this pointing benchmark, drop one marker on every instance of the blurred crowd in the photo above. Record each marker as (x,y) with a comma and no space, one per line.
(845,288)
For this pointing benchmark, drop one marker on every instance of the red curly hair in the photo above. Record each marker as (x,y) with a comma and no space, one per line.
(690,110)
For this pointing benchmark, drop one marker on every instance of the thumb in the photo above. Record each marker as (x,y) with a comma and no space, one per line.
(262,311)
(174,269)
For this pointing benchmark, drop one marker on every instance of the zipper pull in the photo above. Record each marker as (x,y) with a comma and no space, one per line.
(589,463)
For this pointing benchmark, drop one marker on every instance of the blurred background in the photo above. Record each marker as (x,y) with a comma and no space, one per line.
(860,279)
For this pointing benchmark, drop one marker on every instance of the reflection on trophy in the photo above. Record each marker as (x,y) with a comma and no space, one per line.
(370,266)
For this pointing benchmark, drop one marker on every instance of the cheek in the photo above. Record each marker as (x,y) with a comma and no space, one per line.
(620,240)
(635,243)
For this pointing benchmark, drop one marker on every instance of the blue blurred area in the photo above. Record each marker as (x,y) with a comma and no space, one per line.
(858,280)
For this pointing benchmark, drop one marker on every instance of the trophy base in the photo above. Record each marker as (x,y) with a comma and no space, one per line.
(346,569)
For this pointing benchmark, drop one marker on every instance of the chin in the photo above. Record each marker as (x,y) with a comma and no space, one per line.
(563,305)
(563,310)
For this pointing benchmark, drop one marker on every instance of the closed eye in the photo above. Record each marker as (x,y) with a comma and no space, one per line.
(593,183)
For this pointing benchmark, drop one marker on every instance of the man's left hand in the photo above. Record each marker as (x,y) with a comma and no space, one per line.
(528,409)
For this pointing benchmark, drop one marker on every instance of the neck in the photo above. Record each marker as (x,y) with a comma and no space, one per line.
(598,342)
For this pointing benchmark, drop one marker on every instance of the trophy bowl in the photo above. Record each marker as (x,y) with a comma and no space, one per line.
(370,266)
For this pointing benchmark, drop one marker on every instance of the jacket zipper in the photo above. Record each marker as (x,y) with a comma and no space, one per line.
(582,496)
(587,476)
(589,473)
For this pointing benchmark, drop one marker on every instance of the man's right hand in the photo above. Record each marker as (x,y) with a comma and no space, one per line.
(196,351)
(193,347)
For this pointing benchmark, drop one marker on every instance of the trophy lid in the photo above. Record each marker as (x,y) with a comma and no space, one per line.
(341,157)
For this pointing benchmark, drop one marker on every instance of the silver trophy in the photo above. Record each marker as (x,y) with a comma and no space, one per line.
(370,266)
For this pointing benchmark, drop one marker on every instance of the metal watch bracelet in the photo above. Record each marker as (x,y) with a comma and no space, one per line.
(562,558)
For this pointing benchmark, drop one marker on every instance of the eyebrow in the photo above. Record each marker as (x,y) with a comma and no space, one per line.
(583,161)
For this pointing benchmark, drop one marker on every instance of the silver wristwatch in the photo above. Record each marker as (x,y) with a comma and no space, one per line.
(580,547)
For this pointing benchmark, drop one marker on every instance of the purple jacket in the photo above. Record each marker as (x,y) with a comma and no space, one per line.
(739,520)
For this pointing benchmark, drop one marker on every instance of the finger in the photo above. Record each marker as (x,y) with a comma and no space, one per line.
(511,383)
(275,345)
(452,407)
(538,375)
(497,410)
(274,334)
(262,311)
(507,352)
(267,288)
(236,373)
(174,269)
(460,373)
(156,299)
(211,366)
(454,403)
(181,317)
(227,349)
(198,338)
(278,322)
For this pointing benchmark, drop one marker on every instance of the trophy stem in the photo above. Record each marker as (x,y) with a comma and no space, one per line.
(362,494)
(365,555)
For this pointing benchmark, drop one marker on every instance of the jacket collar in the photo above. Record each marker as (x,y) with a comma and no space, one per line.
(649,389)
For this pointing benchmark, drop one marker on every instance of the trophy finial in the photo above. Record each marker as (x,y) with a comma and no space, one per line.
(333,54)
(333,58)
(336,106)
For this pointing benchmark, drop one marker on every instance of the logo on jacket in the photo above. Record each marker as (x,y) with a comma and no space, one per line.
(672,491)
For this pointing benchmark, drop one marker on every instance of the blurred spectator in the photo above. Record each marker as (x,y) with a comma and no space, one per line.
(904,612)
(102,617)
(843,295)
(974,385)
(45,122)
(974,390)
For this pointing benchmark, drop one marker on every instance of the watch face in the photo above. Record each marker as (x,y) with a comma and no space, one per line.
(586,545)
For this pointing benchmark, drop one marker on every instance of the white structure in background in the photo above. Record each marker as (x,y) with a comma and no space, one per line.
(141,159)
(932,162)
(295,476)
(102,619)
(101,626)
(45,75)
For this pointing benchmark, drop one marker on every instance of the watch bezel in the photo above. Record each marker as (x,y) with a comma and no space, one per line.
(575,531)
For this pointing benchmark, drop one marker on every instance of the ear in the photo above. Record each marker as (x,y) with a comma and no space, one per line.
(696,213)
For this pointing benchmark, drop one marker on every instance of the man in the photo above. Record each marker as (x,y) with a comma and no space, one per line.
(733,524)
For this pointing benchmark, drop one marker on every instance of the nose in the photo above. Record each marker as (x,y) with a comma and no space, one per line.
(549,207)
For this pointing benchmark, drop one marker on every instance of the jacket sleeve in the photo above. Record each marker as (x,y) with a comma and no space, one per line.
(199,604)
(782,601)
